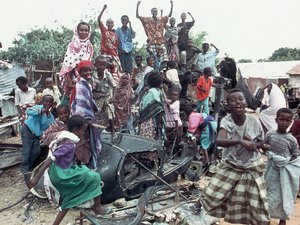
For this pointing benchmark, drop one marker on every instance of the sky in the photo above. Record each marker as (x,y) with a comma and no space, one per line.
(243,29)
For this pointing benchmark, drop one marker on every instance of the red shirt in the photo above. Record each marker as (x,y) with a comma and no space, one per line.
(109,41)
(203,84)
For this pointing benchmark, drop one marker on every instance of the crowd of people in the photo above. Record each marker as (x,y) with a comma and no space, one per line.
(97,93)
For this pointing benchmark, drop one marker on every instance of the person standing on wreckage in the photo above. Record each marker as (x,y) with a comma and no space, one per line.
(154,28)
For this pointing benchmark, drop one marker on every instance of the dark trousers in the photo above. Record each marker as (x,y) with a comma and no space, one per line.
(126,62)
(31,149)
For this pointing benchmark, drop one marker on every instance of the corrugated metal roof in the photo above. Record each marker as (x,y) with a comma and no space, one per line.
(8,79)
(266,69)
(295,70)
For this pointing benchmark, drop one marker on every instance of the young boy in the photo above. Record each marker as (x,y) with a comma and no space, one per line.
(237,191)
(172,76)
(52,90)
(283,167)
(104,86)
(24,97)
(203,88)
(39,118)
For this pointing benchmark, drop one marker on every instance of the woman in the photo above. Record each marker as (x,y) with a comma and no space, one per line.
(83,104)
(152,113)
(272,101)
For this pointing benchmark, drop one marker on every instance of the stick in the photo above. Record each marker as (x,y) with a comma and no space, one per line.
(159,178)
(99,126)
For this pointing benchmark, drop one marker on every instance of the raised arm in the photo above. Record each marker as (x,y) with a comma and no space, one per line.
(193,20)
(101,13)
(137,10)
(212,45)
(132,31)
(171,11)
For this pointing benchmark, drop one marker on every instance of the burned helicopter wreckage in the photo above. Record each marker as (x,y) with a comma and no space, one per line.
(127,172)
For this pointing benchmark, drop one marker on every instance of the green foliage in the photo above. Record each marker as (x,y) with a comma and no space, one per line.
(285,54)
(45,44)
(142,51)
(198,38)
(40,44)
(245,61)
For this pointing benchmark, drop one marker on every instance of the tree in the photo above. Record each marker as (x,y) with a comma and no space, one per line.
(45,44)
(285,54)
(198,38)
(245,61)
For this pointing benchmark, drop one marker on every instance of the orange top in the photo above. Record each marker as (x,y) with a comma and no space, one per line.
(206,85)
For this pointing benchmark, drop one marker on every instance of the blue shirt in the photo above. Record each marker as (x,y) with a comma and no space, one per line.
(125,38)
(37,121)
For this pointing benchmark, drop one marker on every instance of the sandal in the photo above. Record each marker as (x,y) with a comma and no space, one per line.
(195,210)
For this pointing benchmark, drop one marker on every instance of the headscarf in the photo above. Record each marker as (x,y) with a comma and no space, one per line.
(78,49)
(84,63)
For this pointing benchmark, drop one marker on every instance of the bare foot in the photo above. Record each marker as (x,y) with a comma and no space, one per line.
(102,210)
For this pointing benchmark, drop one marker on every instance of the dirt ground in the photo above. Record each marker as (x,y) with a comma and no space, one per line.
(13,189)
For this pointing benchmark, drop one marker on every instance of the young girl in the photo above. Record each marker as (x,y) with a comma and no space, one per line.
(122,102)
(60,124)
(172,115)
(75,184)
(38,120)
(237,191)
(80,48)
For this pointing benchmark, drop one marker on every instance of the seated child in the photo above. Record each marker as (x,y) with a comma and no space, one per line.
(76,184)
(283,168)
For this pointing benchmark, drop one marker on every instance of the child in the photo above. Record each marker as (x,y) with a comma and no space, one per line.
(203,88)
(103,90)
(125,35)
(143,80)
(52,90)
(39,119)
(172,115)
(172,76)
(158,56)
(80,48)
(137,70)
(60,124)
(204,128)
(171,37)
(109,39)
(24,97)
(283,167)
(75,184)
(237,191)
(122,103)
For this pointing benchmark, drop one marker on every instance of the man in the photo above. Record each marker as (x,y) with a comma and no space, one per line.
(208,58)
(154,27)
(183,31)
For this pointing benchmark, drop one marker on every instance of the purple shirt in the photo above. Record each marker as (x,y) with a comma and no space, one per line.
(64,154)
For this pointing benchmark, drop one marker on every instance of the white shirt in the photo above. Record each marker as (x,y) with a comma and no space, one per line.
(22,98)
(54,92)
(208,60)
(172,75)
